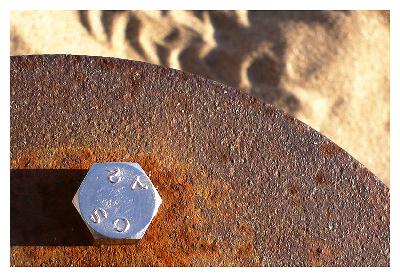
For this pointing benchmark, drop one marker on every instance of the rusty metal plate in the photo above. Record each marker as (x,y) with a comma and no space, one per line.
(242,183)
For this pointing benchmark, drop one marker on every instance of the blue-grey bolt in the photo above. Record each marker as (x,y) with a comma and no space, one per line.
(117,200)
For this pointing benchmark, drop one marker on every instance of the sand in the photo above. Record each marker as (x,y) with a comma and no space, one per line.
(328,69)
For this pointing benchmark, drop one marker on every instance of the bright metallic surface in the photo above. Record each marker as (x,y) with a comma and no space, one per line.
(117,200)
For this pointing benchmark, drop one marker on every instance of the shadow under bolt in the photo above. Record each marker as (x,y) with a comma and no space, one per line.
(41,209)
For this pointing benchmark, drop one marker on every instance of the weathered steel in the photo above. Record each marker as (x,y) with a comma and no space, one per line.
(242,182)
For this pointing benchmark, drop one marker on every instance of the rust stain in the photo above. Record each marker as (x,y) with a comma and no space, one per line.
(213,211)
(175,236)
(322,179)
(320,253)
(329,148)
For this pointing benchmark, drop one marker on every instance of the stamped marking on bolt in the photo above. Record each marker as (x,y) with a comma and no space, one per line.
(117,200)
(115,176)
(107,203)
(139,183)
(97,215)
(121,225)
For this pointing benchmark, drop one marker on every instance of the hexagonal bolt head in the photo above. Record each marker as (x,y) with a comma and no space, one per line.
(117,201)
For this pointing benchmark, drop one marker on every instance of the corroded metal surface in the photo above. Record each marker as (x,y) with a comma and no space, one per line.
(242,183)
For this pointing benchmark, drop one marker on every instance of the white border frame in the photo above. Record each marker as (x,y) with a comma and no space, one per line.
(215,5)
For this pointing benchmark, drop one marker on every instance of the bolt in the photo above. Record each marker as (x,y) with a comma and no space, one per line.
(117,201)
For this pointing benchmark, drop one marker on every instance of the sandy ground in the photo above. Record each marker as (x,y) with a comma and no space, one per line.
(328,69)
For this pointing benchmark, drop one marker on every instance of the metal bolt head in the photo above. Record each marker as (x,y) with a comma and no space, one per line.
(117,200)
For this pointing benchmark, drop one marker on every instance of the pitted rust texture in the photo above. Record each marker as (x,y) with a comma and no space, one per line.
(242,183)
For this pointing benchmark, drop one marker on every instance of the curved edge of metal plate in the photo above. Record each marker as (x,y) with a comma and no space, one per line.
(255,186)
